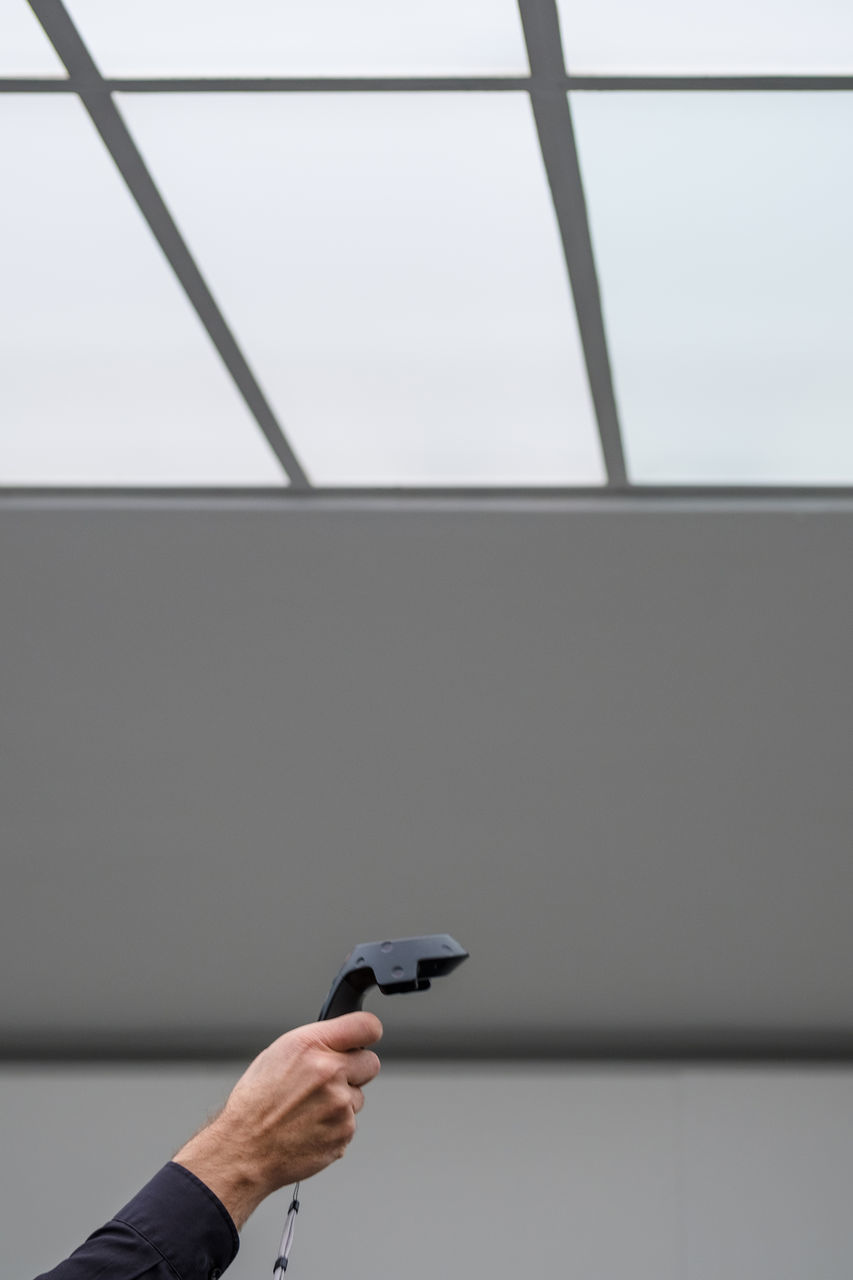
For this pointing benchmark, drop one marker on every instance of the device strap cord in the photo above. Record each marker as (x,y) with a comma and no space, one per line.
(287,1235)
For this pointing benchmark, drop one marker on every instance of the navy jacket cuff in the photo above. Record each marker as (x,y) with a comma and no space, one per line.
(185,1222)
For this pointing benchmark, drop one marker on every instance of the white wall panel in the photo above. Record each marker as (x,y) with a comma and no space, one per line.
(495,1171)
(768,1172)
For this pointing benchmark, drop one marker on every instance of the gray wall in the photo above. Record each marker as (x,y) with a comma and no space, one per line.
(618,732)
(498,1171)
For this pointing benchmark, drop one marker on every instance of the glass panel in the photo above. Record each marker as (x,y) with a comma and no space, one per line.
(107,375)
(391,264)
(24,48)
(302,37)
(721,226)
(704,37)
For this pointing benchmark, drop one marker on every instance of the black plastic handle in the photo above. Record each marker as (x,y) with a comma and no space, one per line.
(404,964)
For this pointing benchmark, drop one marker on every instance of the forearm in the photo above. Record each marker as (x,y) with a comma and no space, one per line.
(231,1173)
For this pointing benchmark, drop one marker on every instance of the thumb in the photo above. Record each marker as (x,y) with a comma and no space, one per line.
(349,1031)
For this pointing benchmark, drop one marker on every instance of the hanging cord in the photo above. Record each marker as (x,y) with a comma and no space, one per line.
(287,1234)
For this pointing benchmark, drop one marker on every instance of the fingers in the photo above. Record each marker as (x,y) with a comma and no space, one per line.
(357,1100)
(362,1066)
(350,1031)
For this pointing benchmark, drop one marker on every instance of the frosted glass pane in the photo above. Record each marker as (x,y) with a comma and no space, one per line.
(24,48)
(106,375)
(302,37)
(684,37)
(721,227)
(391,264)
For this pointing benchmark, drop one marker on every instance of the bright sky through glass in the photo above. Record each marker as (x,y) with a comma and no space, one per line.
(106,375)
(302,37)
(391,265)
(24,48)
(706,37)
(721,227)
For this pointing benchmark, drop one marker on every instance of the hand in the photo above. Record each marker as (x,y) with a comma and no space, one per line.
(289,1115)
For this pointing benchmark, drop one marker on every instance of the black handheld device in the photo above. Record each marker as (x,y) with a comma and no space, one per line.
(405,964)
(395,967)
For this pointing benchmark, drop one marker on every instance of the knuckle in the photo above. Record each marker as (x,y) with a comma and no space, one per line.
(343,1103)
(327,1068)
(339,1104)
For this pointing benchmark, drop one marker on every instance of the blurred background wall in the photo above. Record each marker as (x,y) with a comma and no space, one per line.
(490,1170)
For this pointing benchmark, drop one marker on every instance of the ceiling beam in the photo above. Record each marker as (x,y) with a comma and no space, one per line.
(559,153)
(436,84)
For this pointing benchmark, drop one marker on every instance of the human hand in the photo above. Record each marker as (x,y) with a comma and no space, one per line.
(290,1114)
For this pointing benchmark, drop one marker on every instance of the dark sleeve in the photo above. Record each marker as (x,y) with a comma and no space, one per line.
(175,1228)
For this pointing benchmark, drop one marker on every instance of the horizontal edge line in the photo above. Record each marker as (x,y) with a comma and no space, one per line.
(719,1049)
(319,84)
(271,84)
(290,498)
(37,84)
(431,84)
(709,84)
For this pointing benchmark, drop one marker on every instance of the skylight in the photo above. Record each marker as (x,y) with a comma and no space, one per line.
(108,377)
(721,227)
(24,48)
(707,37)
(396,245)
(302,37)
(395,278)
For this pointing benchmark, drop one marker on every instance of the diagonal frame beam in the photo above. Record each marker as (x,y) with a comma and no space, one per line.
(96,98)
(559,153)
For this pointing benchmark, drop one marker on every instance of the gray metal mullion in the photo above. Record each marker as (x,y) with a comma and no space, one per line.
(106,118)
(37,84)
(710,84)
(320,84)
(438,84)
(559,153)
